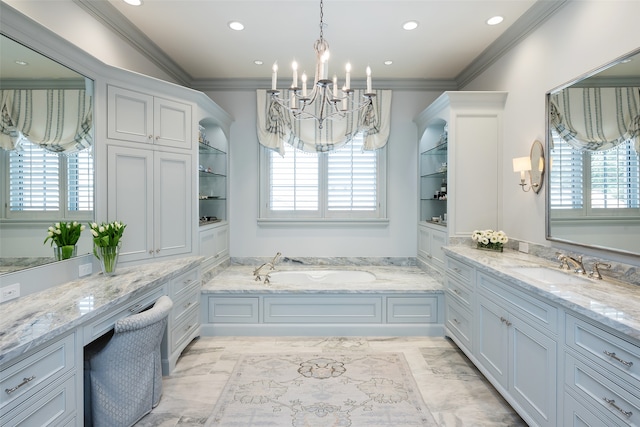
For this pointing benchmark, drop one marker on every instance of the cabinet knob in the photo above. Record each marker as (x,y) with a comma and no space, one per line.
(157,250)
(157,138)
(150,136)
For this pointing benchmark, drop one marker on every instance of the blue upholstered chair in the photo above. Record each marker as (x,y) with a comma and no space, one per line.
(126,375)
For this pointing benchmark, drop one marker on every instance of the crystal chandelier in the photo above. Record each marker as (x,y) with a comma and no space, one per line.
(325,101)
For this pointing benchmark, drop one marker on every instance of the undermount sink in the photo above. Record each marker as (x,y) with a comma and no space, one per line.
(550,275)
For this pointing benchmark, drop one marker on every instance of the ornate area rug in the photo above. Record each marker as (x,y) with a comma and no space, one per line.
(321,390)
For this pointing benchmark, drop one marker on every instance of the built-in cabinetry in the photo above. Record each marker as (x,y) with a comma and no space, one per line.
(213,188)
(554,366)
(460,135)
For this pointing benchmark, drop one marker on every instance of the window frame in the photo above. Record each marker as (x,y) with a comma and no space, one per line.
(323,216)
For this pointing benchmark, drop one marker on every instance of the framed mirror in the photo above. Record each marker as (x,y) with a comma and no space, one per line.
(46,151)
(593,152)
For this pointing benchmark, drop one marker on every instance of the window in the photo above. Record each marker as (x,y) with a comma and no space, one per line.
(586,183)
(46,185)
(344,184)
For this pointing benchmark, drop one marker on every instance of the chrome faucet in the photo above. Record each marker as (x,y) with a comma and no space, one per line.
(565,260)
(262,272)
(595,273)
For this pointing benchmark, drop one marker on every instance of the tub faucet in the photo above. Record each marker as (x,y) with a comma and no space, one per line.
(262,272)
(565,260)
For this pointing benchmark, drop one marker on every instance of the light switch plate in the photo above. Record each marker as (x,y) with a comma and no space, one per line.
(10,292)
(523,247)
(85,270)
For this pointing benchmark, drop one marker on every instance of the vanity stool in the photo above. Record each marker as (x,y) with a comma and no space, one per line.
(126,374)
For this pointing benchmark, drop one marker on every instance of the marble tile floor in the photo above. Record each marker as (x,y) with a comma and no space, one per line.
(454,390)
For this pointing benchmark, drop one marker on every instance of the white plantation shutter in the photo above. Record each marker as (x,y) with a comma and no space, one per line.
(344,184)
(294,181)
(34,180)
(80,181)
(566,184)
(352,179)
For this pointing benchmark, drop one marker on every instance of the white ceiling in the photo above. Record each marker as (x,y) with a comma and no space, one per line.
(195,35)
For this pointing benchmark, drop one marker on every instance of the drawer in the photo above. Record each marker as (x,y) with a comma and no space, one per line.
(412,310)
(458,290)
(458,322)
(188,300)
(183,284)
(232,310)
(318,309)
(577,415)
(48,407)
(183,330)
(535,311)
(460,270)
(608,350)
(37,370)
(99,327)
(615,398)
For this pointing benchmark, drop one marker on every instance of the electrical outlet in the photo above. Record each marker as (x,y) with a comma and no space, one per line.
(10,292)
(85,270)
(523,247)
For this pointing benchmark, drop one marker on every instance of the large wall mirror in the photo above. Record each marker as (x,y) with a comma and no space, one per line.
(46,152)
(593,151)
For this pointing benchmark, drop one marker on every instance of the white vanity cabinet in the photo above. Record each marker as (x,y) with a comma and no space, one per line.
(459,141)
(139,117)
(151,192)
(459,303)
(602,376)
(41,388)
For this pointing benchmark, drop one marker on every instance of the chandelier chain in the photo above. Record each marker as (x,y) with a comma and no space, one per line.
(321,19)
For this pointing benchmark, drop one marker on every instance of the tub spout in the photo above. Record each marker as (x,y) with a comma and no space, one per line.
(262,272)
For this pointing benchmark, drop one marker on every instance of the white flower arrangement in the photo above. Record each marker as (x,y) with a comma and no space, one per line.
(490,239)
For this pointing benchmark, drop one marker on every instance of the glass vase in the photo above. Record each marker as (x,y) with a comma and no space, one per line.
(108,257)
(64,252)
(489,248)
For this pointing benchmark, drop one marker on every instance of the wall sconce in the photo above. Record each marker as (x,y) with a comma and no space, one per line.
(534,164)
(522,165)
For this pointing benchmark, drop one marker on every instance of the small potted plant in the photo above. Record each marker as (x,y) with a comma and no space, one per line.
(490,240)
(65,235)
(107,238)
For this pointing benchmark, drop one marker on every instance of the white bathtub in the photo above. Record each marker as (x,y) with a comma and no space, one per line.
(293,277)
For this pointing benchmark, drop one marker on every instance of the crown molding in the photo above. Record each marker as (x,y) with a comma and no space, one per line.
(529,21)
(262,83)
(107,14)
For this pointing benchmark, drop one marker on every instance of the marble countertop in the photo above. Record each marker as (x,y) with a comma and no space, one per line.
(612,303)
(389,279)
(34,319)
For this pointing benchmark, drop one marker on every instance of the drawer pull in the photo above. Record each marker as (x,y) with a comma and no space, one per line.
(24,381)
(135,308)
(457,292)
(457,270)
(622,411)
(188,327)
(186,282)
(505,321)
(454,320)
(613,356)
(187,305)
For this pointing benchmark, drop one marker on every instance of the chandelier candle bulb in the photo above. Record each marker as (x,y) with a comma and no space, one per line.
(274,76)
(368,79)
(304,85)
(335,87)
(293,100)
(324,69)
(347,85)
(294,65)
(344,98)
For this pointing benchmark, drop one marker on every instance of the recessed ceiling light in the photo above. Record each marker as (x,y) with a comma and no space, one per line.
(258,62)
(133,2)
(21,62)
(388,62)
(235,25)
(495,20)
(410,25)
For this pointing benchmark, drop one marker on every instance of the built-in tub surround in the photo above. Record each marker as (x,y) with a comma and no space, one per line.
(321,277)
(610,302)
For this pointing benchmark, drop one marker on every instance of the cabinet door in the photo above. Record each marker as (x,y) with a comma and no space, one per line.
(492,337)
(172,123)
(129,115)
(173,199)
(130,198)
(532,371)
(222,241)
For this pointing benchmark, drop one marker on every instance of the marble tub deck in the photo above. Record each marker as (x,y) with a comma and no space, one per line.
(454,391)
(389,279)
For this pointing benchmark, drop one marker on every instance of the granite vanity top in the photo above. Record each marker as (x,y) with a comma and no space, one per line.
(389,279)
(612,303)
(34,319)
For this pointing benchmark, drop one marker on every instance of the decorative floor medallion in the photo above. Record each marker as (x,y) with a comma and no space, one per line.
(321,390)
